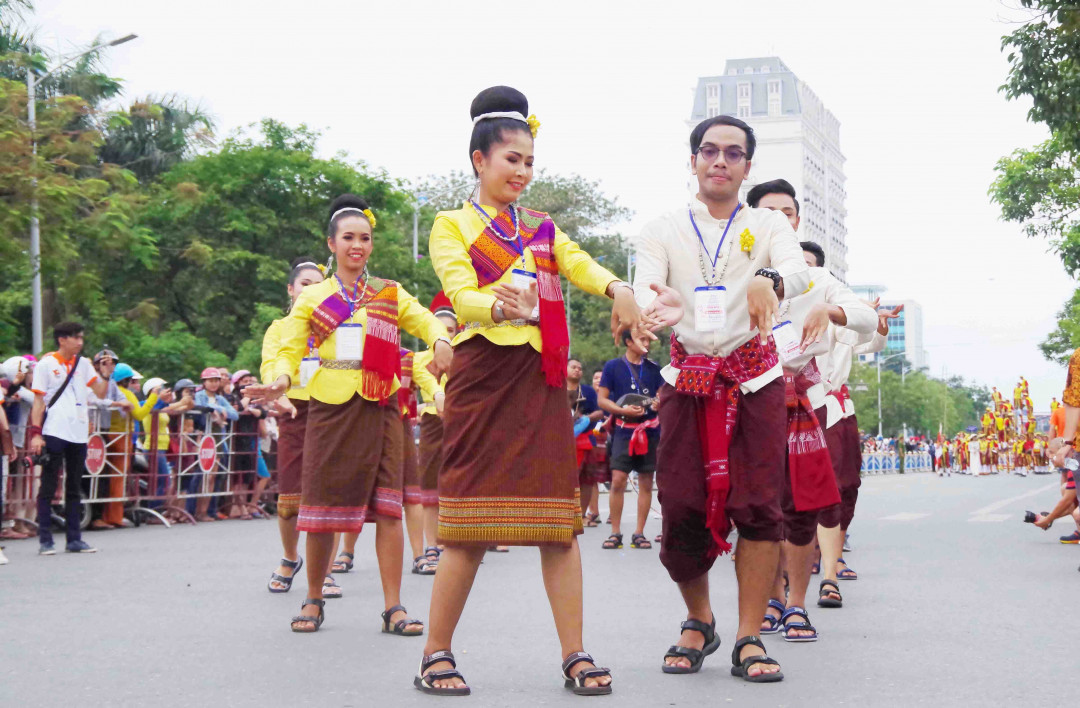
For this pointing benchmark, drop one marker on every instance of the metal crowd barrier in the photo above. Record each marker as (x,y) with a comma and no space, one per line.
(889,462)
(204,462)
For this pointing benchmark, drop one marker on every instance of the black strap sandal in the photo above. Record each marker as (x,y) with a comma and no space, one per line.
(398,627)
(296,565)
(773,622)
(316,621)
(613,542)
(696,656)
(422,565)
(638,540)
(340,566)
(741,668)
(424,679)
(825,598)
(577,683)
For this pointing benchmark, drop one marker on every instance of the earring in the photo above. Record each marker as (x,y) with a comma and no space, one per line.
(476,190)
(330,263)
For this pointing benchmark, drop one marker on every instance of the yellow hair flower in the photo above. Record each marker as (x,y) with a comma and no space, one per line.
(322,269)
(534,124)
(370,217)
(746,241)
(808,288)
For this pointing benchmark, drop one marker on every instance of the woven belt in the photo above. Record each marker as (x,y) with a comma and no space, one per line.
(342,364)
(504,323)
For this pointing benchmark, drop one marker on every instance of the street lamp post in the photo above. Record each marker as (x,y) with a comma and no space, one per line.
(878,358)
(32,83)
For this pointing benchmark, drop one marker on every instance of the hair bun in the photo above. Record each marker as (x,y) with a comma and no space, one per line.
(499,99)
(348,201)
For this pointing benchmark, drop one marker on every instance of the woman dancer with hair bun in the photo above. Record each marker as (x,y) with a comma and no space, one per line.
(509,474)
(290,434)
(352,444)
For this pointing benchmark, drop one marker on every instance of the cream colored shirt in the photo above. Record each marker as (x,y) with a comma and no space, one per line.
(668,252)
(825,289)
(835,366)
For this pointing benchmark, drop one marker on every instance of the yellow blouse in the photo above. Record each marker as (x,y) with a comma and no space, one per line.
(337,386)
(451,236)
(425,381)
(270,346)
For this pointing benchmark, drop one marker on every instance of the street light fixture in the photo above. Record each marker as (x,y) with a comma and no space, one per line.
(32,83)
(878,358)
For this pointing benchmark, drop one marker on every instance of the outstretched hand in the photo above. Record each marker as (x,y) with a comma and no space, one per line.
(666,309)
(884,317)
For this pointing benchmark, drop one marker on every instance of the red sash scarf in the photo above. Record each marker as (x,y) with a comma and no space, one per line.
(406,397)
(492,256)
(717,380)
(813,484)
(639,439)
(382,362)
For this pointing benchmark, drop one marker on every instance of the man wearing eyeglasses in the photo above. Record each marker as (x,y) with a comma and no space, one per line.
(723,417)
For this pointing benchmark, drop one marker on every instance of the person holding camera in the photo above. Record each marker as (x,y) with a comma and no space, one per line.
(60,428)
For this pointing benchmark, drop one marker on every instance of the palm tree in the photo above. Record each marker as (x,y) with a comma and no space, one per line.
(154,134)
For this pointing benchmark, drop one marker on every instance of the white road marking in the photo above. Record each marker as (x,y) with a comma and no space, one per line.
(990,508)
(992,517)
(905,516)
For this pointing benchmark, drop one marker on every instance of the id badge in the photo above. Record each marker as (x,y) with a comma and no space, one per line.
(308,367)
(787,341)
(523,279)
(710,308)
(350,341)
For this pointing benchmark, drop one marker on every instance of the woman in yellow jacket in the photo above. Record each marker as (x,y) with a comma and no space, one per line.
(352,445)
(509,473)
(291,428)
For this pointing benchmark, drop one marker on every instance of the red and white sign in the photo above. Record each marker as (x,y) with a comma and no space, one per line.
(207,454)
(95,454)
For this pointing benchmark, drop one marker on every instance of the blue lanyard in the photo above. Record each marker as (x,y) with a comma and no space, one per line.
(517,243)
(355,299)
(640,375)
(731,219)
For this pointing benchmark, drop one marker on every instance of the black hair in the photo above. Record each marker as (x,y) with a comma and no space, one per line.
(818,251)
(698,133)
(574,359)
(491,131)
(299,265)
(776,186)
(627,335)
(344,201)
(67,329)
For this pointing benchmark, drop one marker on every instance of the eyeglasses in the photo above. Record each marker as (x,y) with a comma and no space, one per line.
(733,155)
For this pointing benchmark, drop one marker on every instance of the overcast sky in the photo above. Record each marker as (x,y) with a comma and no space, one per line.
(913,84)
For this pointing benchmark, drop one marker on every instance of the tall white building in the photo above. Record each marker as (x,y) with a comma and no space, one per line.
(798,140)
(905,332)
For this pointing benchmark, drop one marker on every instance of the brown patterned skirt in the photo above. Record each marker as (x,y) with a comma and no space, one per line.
(352,466)
(290,460)
(431,458)
(509,473)
(410,473)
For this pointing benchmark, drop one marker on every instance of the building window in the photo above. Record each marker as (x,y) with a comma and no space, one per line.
(744,90)
(743,112)
(774,97)
(765,69)
(748,70)
(712,92)
(712,111)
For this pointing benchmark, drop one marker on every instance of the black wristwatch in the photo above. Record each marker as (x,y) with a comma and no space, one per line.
(772,275)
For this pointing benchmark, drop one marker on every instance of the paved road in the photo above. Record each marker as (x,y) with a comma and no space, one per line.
(958,604)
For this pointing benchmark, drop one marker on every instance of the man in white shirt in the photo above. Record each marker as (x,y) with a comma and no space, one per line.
(723,416)
(62,382)
(811,490)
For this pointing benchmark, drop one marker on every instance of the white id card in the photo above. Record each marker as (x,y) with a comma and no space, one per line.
(350,341)
(710,308)
(308,366)
(523,279)
(787,341)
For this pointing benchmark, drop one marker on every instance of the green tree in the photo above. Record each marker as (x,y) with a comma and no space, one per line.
(1039,187)
(153,135)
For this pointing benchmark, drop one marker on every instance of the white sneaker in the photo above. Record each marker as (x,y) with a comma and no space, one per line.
(3,558)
